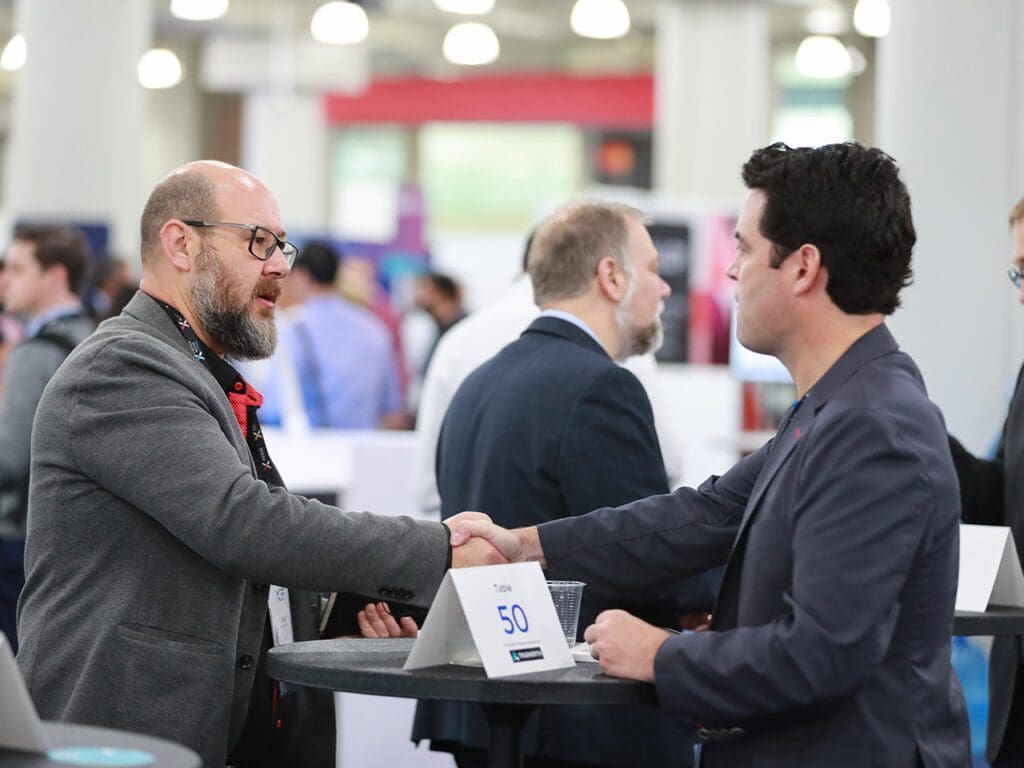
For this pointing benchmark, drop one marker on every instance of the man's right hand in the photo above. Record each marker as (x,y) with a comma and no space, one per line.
(515,546)
(468,550)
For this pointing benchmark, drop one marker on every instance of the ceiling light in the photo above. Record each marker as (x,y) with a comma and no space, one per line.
(471,43)
(600,19)
(199,10)
(826,20)
(872,17)
(340,23)
(823,58)
(15,53)
(159,68)
(468,7)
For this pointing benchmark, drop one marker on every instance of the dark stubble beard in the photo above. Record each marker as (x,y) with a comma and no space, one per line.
(231,325)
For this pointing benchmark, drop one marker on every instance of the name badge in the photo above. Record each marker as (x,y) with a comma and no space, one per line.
(280,615)
(500,616)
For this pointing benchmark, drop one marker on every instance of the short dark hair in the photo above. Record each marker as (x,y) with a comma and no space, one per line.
(186,194)
(849,201)
(444,285)
(54,245)
(320,259)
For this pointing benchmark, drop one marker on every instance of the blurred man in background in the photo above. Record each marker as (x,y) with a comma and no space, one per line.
(340,354)
(992,493)
(551,427)
(43,274)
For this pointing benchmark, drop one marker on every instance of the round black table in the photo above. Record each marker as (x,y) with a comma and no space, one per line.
(166,754)
(375,667)
(997,620)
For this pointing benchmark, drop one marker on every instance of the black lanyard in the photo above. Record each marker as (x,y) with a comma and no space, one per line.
(243,398)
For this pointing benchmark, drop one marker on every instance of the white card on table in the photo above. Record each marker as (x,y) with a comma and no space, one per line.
(280,615)
(498,615)
(990,570)
(20,727)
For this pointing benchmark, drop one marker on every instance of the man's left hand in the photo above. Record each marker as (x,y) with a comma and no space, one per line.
(377,621)
(625,645)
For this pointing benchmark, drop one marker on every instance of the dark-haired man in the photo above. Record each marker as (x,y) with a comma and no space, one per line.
(339,353)
(44,269)
(157,517)
(992,493)
(830,643)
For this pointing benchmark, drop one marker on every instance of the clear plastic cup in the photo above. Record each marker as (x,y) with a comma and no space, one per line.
(566,596)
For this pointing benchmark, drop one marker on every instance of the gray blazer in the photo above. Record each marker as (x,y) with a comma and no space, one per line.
(830,643)
(149,534)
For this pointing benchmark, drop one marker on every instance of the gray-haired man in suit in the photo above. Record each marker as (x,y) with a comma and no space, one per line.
(156,516)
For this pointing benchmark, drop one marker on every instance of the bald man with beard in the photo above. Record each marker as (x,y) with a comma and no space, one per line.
(157,518)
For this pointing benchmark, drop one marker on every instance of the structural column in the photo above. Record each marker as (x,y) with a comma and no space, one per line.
(712,89)
(949,78)
(75,143)
(285,143)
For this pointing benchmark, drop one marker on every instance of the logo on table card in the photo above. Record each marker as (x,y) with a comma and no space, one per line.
(526,654)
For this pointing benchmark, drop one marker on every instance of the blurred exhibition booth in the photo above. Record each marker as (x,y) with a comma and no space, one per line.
(419,133)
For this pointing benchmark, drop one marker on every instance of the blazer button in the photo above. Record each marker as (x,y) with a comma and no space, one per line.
(245,662)
(257,587)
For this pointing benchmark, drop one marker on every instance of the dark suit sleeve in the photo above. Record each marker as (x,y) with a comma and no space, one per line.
(609,451)
(981,484)
(854,536)
(653,541)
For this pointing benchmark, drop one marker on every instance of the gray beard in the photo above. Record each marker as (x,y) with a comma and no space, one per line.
(636,341)
(242,336)
(640,341)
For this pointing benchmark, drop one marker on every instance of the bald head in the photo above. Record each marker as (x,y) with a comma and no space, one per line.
(190,192)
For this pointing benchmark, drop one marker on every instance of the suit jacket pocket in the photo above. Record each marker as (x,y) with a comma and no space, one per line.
(175,686)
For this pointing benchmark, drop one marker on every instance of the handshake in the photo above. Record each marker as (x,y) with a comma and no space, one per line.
(476,540)
(624,645)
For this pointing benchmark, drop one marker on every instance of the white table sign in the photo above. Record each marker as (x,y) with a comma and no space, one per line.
(498,615)
(990,570)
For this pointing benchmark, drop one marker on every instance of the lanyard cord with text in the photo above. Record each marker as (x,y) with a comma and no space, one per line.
(243,398)
(244,402)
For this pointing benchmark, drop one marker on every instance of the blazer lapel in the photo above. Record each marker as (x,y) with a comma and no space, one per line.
(873,344)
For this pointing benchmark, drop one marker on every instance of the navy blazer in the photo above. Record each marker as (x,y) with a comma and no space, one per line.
(548,428)
(830,643)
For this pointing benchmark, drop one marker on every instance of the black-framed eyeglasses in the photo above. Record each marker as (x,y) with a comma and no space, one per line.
(1016,277)
(262,242)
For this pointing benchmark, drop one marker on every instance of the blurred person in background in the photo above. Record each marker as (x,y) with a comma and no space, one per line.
(482,335)
(992,493)
(552,427)
(114,285)
(339,352)
(10,328)
(44,270)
